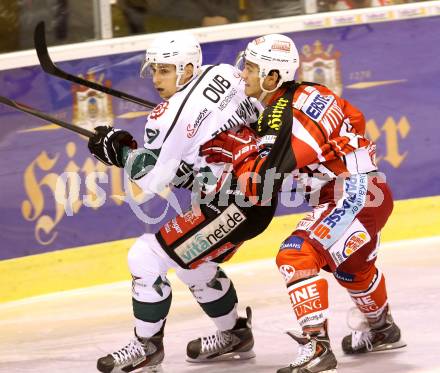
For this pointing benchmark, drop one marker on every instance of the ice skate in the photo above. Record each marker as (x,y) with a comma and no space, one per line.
(372,339)
(314,355)
(140,355)
(234,344)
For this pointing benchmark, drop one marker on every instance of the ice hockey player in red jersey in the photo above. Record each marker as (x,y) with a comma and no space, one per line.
(307,130)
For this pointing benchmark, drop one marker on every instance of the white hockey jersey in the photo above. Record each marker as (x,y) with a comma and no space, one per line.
(175,130)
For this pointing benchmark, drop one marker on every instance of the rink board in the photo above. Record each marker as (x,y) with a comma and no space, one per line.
(368,63)
(106,262)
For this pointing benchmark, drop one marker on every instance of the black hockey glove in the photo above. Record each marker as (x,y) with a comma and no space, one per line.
(107,143)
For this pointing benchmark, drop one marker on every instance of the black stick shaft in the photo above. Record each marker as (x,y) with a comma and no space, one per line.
(39,114)
(49,67)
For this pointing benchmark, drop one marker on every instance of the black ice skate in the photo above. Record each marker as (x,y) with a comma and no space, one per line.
(314,355)
(141,353)
(385,337)
(234,344)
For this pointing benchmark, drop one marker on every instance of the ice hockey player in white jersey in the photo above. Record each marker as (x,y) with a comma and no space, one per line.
(200,102)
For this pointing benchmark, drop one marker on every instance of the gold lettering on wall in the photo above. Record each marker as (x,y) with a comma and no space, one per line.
(394,133)
(40,184)
(32,209)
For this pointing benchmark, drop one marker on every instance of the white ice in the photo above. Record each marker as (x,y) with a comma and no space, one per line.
(66,332)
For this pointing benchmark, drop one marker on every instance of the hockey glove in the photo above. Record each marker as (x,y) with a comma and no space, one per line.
(231,147)
(107,143)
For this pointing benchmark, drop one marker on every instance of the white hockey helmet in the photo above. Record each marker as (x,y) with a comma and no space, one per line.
(174,48)
(272,52)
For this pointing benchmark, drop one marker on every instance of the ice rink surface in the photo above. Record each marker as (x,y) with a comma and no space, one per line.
(67,332)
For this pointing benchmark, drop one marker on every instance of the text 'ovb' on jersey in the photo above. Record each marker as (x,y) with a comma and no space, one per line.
(216,88)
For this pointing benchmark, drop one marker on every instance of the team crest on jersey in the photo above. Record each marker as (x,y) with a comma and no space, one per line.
(159,110)
(321,66)
(92,108)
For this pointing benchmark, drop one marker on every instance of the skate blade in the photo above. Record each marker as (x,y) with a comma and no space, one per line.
(230,356)
(150,369)
(389,346)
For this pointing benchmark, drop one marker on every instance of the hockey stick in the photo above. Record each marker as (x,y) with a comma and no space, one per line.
(49,67)
(39,114)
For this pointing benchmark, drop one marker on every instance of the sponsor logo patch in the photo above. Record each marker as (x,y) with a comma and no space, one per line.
(351,241)
(321,231)
(351,204)
(343,276)
(316,106)
(366,303)
(280,45)
(211,234)
(192,129)
(216,88)
(354,242)
(180,225)
(273,118)
(306,301)
(293,242)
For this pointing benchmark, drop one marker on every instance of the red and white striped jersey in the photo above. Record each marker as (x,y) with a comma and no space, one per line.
(327,137)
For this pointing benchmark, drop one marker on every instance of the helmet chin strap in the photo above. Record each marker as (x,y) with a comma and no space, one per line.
(266,91)
(262,96)
(179,76)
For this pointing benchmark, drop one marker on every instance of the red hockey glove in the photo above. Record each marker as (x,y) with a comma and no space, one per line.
(231,147)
